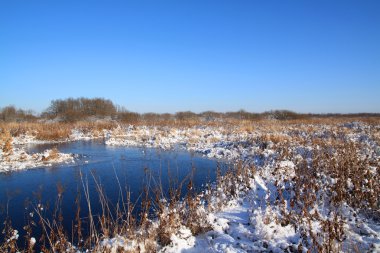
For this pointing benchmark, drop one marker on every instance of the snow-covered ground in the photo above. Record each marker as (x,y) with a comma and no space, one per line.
(252,223)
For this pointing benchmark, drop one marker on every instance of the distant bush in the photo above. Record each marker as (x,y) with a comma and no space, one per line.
(10,113)
(76,109)
(243,115)
(151,117)
(284,115)
(188,115)
(126,116)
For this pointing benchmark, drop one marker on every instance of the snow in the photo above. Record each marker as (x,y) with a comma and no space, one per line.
(32,241)
(15,235)
(19,159)
(182,240)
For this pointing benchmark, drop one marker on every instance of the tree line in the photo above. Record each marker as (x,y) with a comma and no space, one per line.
(11,114)
(76,109)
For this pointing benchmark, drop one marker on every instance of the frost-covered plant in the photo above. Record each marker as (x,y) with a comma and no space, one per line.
(6,142)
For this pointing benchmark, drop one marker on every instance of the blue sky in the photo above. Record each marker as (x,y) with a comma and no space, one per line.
(168,56)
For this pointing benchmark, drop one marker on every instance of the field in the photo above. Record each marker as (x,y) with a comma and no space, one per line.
(302,185)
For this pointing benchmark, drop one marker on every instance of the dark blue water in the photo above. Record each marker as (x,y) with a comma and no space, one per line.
(134,167)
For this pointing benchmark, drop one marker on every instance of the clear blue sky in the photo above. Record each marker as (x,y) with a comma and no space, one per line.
(168,56)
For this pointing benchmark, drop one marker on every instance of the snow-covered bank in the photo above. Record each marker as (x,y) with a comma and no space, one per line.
(253,219)
(215,142)
(14,157)
(19,159)
(255,223)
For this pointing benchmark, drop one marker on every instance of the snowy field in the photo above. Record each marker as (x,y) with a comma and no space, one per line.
(296,188)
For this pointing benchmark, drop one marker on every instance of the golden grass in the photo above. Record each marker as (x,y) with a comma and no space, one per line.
(6,141)
(53,155)
(61,130)
(52,131)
